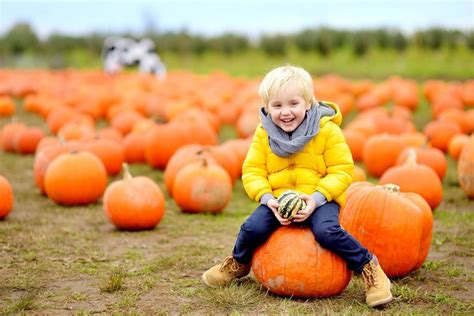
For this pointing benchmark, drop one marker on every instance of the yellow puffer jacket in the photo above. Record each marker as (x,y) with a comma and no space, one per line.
(325,164)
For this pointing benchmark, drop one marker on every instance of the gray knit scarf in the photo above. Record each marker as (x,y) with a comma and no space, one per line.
(284,144)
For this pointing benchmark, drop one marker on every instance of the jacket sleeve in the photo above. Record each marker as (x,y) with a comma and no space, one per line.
(254,171)
(339,165)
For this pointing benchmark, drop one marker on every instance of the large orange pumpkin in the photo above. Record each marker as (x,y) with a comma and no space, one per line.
(202,187)
(395,226)
(418,178)
(292,263)
(134,203)
(6,200)
(465,168)
(75,179)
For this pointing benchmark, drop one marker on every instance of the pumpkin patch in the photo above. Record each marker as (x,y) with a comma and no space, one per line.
(81,213)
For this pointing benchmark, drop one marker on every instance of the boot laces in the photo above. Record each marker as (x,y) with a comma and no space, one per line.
(369,276)
(230,262)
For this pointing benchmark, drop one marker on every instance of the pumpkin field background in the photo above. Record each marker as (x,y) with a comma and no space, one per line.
(57,259)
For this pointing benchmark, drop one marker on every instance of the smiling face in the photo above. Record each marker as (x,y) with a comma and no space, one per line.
(287,107)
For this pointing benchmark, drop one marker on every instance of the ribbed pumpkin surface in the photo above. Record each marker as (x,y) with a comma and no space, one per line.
(291,263)
(395,226)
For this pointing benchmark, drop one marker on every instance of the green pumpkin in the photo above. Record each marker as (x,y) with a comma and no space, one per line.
(289,204)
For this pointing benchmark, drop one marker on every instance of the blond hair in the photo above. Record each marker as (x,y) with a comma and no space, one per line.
(280,77)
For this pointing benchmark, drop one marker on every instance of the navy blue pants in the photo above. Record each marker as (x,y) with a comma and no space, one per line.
(323,222)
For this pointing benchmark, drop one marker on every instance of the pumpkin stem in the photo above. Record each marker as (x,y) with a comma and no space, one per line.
(202,151)
(126,172)
(205,163)
(390,187)
(411,159)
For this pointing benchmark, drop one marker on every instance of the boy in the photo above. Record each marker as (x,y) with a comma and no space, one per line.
(299,146)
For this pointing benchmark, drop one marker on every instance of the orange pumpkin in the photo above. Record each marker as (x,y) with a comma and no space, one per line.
(225,159)
(8,133)
(75,179)
(292,263)
(134,145)
(184,156)
(134,203)
(247,122)
(7,106)
(395,226)
(110,133)
(239,147)
(76,131)
(162,141)
(429,156)
(456,144)
(440,132)
(355,140)
(418,178)
(124,121)
(381,152)
(202,187)
(465,170)
(26,141)
(109,152)
(6,200)
(45,155)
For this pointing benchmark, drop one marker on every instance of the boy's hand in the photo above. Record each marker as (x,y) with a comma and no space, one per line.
(273,205)
(302,215)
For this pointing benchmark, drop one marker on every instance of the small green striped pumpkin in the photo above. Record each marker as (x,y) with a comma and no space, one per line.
(289,204)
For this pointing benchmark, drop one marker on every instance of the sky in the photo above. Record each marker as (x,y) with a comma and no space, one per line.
(247,17)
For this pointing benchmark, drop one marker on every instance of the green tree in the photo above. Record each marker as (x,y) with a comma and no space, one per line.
(382,38)
(360,43)
(469,39)
(199,45)
(230,43)
(305,41)
(20,39)
(398,41)
(274,45)
(324,42)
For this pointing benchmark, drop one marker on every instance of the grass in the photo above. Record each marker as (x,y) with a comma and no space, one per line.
(445,63)
(377,64)
(24,303)
(114,281)
(56,259)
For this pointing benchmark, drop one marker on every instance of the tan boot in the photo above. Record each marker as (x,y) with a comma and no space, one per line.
(222,274)
(377,285)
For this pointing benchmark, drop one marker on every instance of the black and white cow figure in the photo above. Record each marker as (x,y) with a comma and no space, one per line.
(119,52)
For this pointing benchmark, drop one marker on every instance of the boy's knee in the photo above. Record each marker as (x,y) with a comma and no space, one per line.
(255,230)
(326,235)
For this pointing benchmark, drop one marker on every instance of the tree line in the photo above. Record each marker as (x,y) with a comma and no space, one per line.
(22,38)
